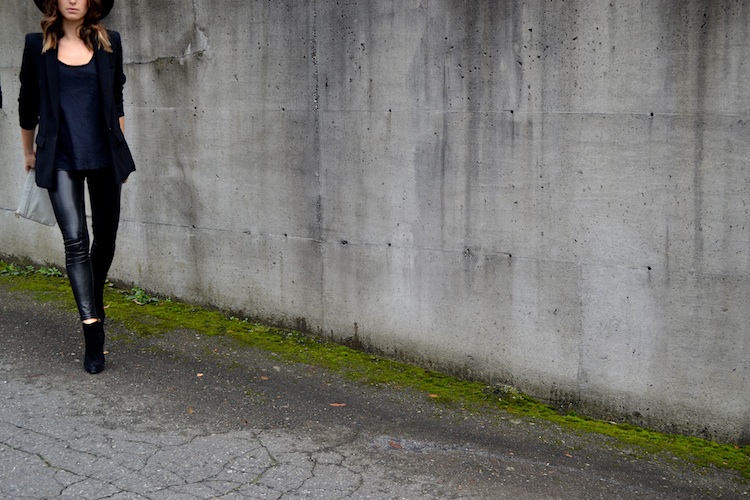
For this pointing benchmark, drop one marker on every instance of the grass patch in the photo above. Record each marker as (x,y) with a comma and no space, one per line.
(148,315)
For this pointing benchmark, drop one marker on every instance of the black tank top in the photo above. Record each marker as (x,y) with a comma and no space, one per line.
(82,143)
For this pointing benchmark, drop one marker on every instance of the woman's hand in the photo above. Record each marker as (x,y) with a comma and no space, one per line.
(29,155)
(29,161)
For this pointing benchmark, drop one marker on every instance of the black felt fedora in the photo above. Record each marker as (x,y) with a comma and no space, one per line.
(106,6)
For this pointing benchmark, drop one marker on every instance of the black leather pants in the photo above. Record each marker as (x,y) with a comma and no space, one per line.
(87,268)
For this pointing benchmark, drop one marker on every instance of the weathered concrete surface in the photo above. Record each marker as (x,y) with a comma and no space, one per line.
(548,194)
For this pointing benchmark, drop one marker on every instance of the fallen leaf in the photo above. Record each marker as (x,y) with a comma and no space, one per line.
(568,455)
(433,396)
(264,378)
(190,411)
(337,405)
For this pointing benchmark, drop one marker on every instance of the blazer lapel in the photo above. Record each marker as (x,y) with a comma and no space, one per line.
(104,72)
(53,82)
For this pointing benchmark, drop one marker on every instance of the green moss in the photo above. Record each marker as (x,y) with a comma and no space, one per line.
(156,317)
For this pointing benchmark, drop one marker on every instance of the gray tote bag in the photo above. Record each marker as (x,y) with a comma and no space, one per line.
(35,204)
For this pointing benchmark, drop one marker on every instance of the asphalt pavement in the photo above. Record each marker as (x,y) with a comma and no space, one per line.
(186,416)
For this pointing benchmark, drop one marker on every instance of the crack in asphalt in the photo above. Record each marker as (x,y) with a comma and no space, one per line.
(222,463)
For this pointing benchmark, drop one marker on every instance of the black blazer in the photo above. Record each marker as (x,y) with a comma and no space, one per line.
(39,104)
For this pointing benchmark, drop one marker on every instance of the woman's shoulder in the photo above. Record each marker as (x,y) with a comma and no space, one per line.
(34,38)
(33,47)
(114,39)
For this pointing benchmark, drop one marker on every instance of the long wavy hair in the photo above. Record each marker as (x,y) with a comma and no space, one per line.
(93,34)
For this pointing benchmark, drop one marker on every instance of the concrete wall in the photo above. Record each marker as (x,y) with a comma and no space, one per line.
(548,194)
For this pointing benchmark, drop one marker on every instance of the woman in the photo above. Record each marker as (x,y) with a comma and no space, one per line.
(71,88)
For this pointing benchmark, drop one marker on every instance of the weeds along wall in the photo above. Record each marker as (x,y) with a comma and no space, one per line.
(552,195)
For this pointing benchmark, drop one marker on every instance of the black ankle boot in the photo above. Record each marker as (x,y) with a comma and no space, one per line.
(93,361)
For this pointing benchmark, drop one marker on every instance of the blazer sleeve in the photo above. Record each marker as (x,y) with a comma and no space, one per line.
(119,77)
(28,99)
